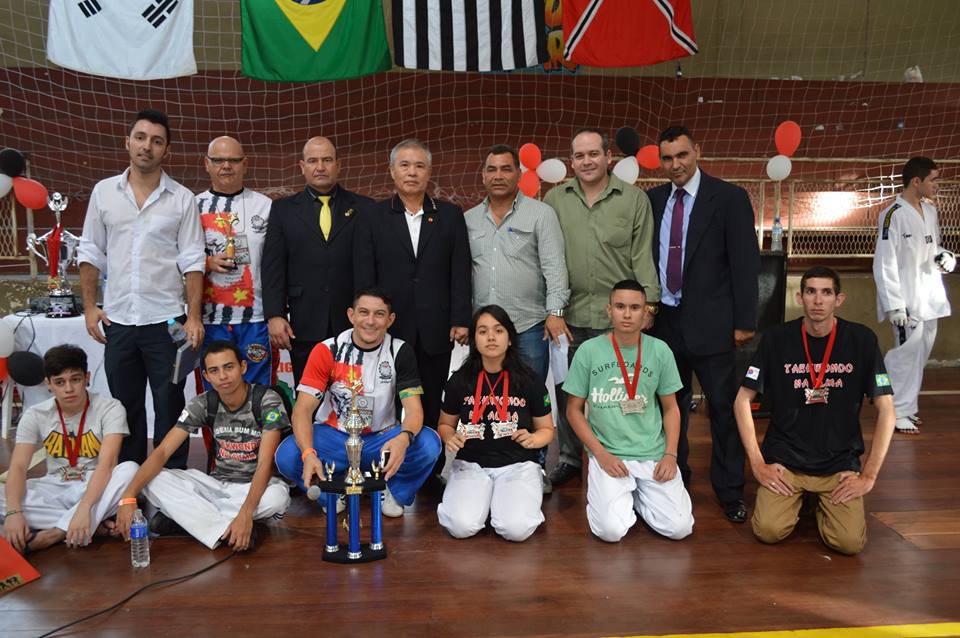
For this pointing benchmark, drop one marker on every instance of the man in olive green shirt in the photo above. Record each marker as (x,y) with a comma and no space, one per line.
(608,236)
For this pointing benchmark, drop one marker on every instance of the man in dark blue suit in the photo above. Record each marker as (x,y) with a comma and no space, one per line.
(708,260)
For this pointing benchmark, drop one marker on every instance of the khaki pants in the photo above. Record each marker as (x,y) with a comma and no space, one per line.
(842,527)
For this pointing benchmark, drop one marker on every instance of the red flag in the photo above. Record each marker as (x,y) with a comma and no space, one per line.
(617,33)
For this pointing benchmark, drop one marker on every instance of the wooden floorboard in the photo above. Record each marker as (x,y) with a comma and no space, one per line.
(561,582)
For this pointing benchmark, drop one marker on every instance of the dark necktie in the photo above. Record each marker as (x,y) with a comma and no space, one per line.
(675,250)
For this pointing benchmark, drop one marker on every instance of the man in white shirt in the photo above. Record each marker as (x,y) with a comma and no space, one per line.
(142,232)
(234,221)
(907,266)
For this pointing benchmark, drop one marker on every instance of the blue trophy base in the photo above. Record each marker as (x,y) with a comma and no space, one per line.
(354,551)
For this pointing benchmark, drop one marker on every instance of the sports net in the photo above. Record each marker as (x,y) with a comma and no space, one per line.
(836,68)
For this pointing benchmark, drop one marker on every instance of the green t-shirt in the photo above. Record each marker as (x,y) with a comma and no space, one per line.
(595,376)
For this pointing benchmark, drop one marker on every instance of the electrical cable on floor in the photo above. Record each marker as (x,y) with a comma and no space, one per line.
(178,579)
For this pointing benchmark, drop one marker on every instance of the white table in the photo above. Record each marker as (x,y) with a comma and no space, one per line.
(38,333)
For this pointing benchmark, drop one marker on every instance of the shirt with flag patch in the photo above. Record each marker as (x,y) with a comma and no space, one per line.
(234,297)
(132,39)
(383,375)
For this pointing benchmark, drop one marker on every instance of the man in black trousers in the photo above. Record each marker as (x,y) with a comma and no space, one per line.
(416,248)
(307,266)
(708,260)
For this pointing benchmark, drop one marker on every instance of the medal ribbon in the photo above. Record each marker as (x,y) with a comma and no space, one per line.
(73,451)
(479,405)
(630,386)
(817,379)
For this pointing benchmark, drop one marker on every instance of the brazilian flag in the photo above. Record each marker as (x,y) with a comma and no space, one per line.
(313,40)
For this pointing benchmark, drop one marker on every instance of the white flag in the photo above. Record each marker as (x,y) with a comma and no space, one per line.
(127,39)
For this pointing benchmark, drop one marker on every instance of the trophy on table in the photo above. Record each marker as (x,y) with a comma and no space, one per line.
(354,484)
(58,249)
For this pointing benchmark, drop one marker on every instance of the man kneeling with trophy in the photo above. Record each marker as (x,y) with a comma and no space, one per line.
(363,362)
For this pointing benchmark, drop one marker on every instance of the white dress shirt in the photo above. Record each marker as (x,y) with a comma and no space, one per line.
(414,222)
(143,252)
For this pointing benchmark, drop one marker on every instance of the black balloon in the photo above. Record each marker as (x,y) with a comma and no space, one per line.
(12,163)
(26,368)
(628,140)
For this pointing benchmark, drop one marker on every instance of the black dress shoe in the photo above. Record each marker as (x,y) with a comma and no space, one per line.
(735,511)
(563,473)
(163,525)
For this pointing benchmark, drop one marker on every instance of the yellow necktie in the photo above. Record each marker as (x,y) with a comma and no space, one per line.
(326,217)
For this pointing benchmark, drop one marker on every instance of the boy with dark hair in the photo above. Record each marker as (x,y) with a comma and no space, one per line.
(814,372)
(240,490)
(81,433)
(632,442)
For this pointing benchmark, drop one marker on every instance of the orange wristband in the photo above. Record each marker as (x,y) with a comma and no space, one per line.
(306,453)
(128,501)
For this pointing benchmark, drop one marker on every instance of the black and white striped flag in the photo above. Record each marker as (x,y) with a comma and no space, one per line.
(469,35)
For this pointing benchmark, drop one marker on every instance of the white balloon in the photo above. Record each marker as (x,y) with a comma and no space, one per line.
(627,169)
(779,167)
(523,169)
(6,339)
(552,170)
(6,183)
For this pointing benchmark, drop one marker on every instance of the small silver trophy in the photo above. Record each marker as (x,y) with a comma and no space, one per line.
(58,249)
(354,426)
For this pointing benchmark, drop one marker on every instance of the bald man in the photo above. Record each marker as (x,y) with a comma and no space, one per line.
(234,221)
(308,257)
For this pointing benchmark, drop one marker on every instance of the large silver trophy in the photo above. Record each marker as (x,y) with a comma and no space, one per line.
(58,249)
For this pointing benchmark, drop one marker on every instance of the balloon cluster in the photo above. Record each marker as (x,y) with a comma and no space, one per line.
(25,368)
(535,168)
(787,139)
(30,193)
(648,157)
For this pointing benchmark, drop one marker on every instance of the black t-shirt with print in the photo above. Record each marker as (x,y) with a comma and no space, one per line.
(527,400)
(818,439)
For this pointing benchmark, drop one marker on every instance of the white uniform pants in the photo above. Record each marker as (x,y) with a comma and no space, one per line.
(50,502)
(510,495)
(905,362)
(611,502)
(205,506)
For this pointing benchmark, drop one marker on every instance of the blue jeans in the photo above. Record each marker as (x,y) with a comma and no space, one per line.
(329,444)
(534,350)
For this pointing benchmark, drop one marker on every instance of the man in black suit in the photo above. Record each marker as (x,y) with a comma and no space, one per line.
(707,257)
(416,249)
(308,257)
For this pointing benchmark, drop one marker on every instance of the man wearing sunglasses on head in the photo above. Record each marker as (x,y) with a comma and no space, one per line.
(234,220)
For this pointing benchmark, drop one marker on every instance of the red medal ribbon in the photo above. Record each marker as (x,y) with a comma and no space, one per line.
(478,405)
(73,451)
(630,386)
(817,379)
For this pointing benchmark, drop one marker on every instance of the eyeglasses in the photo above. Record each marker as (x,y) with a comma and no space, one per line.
(220,161)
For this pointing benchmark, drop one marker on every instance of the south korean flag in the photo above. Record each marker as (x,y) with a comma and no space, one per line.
(125,39)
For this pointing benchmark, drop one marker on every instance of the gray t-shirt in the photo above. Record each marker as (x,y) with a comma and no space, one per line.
(236,435)
(40,425)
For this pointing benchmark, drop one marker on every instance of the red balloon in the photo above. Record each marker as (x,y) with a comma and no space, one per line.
(30,193)
(3,369)
(787,138)
(530,184)
(530,156)
(649,156)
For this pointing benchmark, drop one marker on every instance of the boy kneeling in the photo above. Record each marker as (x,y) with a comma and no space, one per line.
(224,504)
(82,433)
(633,451)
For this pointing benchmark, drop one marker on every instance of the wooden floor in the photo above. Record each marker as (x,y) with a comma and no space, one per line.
(561,582)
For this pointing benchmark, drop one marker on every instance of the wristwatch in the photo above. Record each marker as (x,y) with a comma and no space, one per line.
(653,308)
(556,313)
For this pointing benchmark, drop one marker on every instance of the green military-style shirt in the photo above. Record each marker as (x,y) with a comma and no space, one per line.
(604,244)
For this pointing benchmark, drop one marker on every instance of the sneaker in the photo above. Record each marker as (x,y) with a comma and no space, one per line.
(341,504)
(162,525)
(545,482)
(391,507)
(905,425)
(563,473)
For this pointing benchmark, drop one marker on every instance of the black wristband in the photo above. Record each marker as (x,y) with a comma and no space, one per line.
(413,437)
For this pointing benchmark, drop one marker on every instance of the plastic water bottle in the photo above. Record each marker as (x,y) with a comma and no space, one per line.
(139,541)
(776,236)
(177,333)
